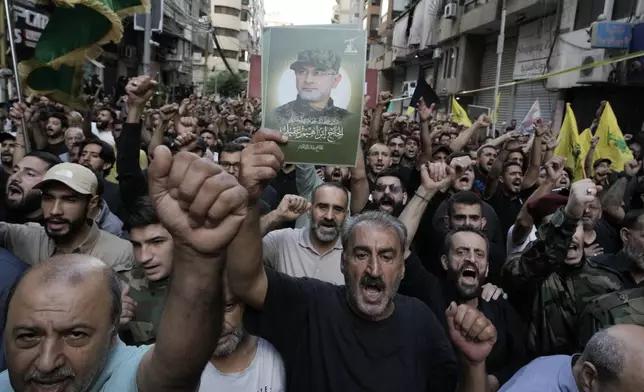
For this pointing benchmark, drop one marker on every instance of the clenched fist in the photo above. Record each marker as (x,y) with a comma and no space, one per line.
(261,161)
(582,194)
(139,90)
(291,207)
(200,204)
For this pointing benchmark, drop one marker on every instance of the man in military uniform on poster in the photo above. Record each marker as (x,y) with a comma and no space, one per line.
(317,73)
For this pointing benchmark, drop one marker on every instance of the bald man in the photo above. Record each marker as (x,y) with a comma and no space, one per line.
(611,362)
(62,324)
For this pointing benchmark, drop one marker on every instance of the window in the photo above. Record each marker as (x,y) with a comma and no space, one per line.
(450,63)
(375,3)
(245,2)
(243,56)
(224,32)
(222,9)
(231,54)
(373,23)
(624,9)
(587,12)
(364,23)
(244,16)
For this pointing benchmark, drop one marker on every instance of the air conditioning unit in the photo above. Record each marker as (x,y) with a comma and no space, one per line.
(595,74)
(438,53)
(450,11)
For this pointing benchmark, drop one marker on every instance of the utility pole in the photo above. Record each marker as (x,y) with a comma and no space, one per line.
(206,70)
(499,60)
(147,36)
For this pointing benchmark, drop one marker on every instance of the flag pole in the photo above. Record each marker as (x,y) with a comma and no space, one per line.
(14,62)
(499,61)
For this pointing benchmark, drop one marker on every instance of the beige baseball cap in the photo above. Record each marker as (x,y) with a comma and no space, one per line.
(75,176)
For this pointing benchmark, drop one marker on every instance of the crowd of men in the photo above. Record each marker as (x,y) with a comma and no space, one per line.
(173,249)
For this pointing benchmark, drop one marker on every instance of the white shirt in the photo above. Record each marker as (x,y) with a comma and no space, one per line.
(265,374)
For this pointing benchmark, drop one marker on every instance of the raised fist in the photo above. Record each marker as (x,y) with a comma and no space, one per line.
(291,207)
(261,161)
(582,193)
(139,90)
(200,204)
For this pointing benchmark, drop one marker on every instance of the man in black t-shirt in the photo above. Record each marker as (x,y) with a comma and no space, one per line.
(355,337)
(505,196)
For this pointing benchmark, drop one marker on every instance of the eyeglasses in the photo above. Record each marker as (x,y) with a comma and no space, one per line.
(393,188)
(228,165)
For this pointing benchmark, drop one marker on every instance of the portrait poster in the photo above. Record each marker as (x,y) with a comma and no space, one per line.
(266,42)
(313,92)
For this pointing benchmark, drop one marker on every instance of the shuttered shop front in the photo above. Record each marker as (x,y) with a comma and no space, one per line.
(525,96)
(488,76)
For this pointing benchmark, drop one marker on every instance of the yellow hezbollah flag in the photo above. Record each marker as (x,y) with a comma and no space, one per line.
(496,107)
(584,142)
(459,115)
(611,143)
(568,144)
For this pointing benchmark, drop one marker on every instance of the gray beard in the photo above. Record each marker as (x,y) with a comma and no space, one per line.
(635,255)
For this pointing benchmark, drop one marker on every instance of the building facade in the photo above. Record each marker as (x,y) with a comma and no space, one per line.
(454,44)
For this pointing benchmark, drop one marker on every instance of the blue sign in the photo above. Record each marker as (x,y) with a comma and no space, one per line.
(611,35)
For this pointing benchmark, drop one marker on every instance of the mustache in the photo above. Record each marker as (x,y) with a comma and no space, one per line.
(57,220)
(238,332)
(57,375)
(14,184)
(370,281)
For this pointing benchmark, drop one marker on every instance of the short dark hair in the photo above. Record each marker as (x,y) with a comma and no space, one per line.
(109,109)
(395,135)
(142,214)
(389,172)
(232,147)
(331,184)
(463,197)
(484,147)
(64,121)
(509,164)
(50,159)
(106,154)
(447,245)
(631,219)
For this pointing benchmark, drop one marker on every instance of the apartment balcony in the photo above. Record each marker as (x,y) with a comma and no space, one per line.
(480,16)
(519,10)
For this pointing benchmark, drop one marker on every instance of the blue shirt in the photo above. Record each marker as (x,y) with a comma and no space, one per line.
(11,268)
(119,374)
(544,374)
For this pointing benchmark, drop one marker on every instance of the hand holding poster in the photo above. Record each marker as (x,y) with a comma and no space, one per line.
(313,90)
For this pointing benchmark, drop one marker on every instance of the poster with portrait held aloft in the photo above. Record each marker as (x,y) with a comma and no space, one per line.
(312,87)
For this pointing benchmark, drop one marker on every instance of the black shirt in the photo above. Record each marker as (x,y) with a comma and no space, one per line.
(326,347)
(56,149)
(506,208)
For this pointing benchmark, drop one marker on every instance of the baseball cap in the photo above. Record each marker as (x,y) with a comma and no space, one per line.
(77,177)
(6,136)
(600,161)
(319,58)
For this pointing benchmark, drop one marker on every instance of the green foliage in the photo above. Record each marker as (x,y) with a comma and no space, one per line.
(226,84)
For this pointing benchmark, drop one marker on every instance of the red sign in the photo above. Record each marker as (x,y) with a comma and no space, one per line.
(255,77)
(371,80)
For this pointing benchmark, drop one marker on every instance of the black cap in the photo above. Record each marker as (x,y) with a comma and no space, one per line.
(201,144)
(6,136)
(445,149)
(600,161)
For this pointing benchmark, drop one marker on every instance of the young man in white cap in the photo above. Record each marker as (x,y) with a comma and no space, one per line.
(69,191)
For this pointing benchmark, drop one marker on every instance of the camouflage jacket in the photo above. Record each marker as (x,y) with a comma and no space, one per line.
(299,111)
(150,297)
(551,295)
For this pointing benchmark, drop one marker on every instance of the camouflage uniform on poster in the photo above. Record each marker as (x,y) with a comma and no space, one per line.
(150,297)
(324,62)
(551,294)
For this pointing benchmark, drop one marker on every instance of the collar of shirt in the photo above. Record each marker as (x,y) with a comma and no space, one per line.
(300,103)
(305,241)
(85,247)
(102,213)
(565,378)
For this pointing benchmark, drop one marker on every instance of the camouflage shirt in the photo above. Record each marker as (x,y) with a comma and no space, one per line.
(550,294)
(300,111)
(150,297)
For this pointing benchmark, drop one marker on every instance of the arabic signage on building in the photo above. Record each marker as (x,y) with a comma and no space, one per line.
(611,35)
(534,47)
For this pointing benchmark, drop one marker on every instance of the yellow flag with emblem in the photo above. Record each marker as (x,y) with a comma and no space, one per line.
(459,115)
(568,144)
(611,143)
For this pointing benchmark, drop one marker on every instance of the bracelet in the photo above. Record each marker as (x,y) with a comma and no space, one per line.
(421,196)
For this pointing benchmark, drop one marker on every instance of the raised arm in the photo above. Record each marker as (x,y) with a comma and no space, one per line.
(532,174)
(260,162)
(588,161)
(203,215)
(462,139)
(359,184)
